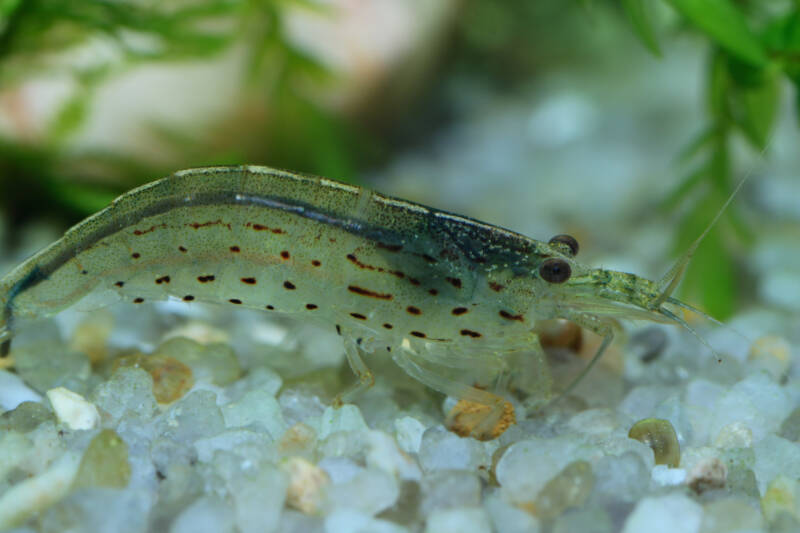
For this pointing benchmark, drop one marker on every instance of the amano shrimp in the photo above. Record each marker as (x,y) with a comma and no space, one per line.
(432,289)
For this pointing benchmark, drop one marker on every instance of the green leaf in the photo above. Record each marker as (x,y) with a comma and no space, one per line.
(755,110)
(717,86)
(639,14)
(726,25)
(710,277)
(81,198)
(7,7)
(71,116)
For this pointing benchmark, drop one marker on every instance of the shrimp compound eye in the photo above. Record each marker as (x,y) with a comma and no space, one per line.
(569,240)
(555,271)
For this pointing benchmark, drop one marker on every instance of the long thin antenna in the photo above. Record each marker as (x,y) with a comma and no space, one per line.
(674,275)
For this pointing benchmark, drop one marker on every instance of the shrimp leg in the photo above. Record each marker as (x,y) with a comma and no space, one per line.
(366,379)
(410,362)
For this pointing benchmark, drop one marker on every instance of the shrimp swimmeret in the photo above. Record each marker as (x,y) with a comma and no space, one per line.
(430,288)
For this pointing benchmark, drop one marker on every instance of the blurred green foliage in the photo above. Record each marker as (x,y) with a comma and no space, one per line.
(47,177)
(754,49)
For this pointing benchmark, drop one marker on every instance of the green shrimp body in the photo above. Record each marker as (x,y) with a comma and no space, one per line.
(375,267)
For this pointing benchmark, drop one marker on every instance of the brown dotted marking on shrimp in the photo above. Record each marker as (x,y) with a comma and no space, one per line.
(353,259)
(415,282)
(206,279)
(389,247)
(285,254)
(84,272)
(120,284)
(358,316)
(508,316)
(457,311)
(235,249)
(414,310)
(418,334)
(455,282)
(386,325)
(269,307)
(138,300)
(262,227)
(162,279)
(311,307)
(366,292)
(236,301)
(188,298)
(182,249)
(249,281)
(288,285)
(136,255)
(433,292)
(470,333)
(218,222)
(148,230)
(496,287)
(316,262)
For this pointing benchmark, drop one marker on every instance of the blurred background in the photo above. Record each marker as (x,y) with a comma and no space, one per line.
(624,122)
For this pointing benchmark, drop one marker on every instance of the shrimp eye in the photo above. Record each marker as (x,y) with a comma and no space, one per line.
(555,271)
(569,240)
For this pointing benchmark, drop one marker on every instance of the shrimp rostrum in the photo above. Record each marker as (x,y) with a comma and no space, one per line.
(434,290)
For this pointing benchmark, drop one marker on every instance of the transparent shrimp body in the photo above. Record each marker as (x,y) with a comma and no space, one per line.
(433,289)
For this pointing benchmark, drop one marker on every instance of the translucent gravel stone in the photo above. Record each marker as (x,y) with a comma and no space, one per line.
(209,514)
(621,478)
(105,462)
(369,491)
(260,378)
(528,465)
(72,409)
(732,514)
(25,417)
(99,510)
(384,454)
(128,391)
(408,431)
(757,401)
(47,364)
(258,498)
(195,416)
(588,519)
(171,378)
(258,409)
(353,521)
(13,391)
(669,513)
(775,457)
(443,450)
(345,418)
(250,444)
(445,489)
(459,520)
(215,362)
(569,488)
(509,518)
(306,484)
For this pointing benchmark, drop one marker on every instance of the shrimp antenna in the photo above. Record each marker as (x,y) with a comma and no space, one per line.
(675,274)
(686,326)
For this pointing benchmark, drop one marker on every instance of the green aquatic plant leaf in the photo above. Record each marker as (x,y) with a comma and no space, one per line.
(640,16)
(726,25)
